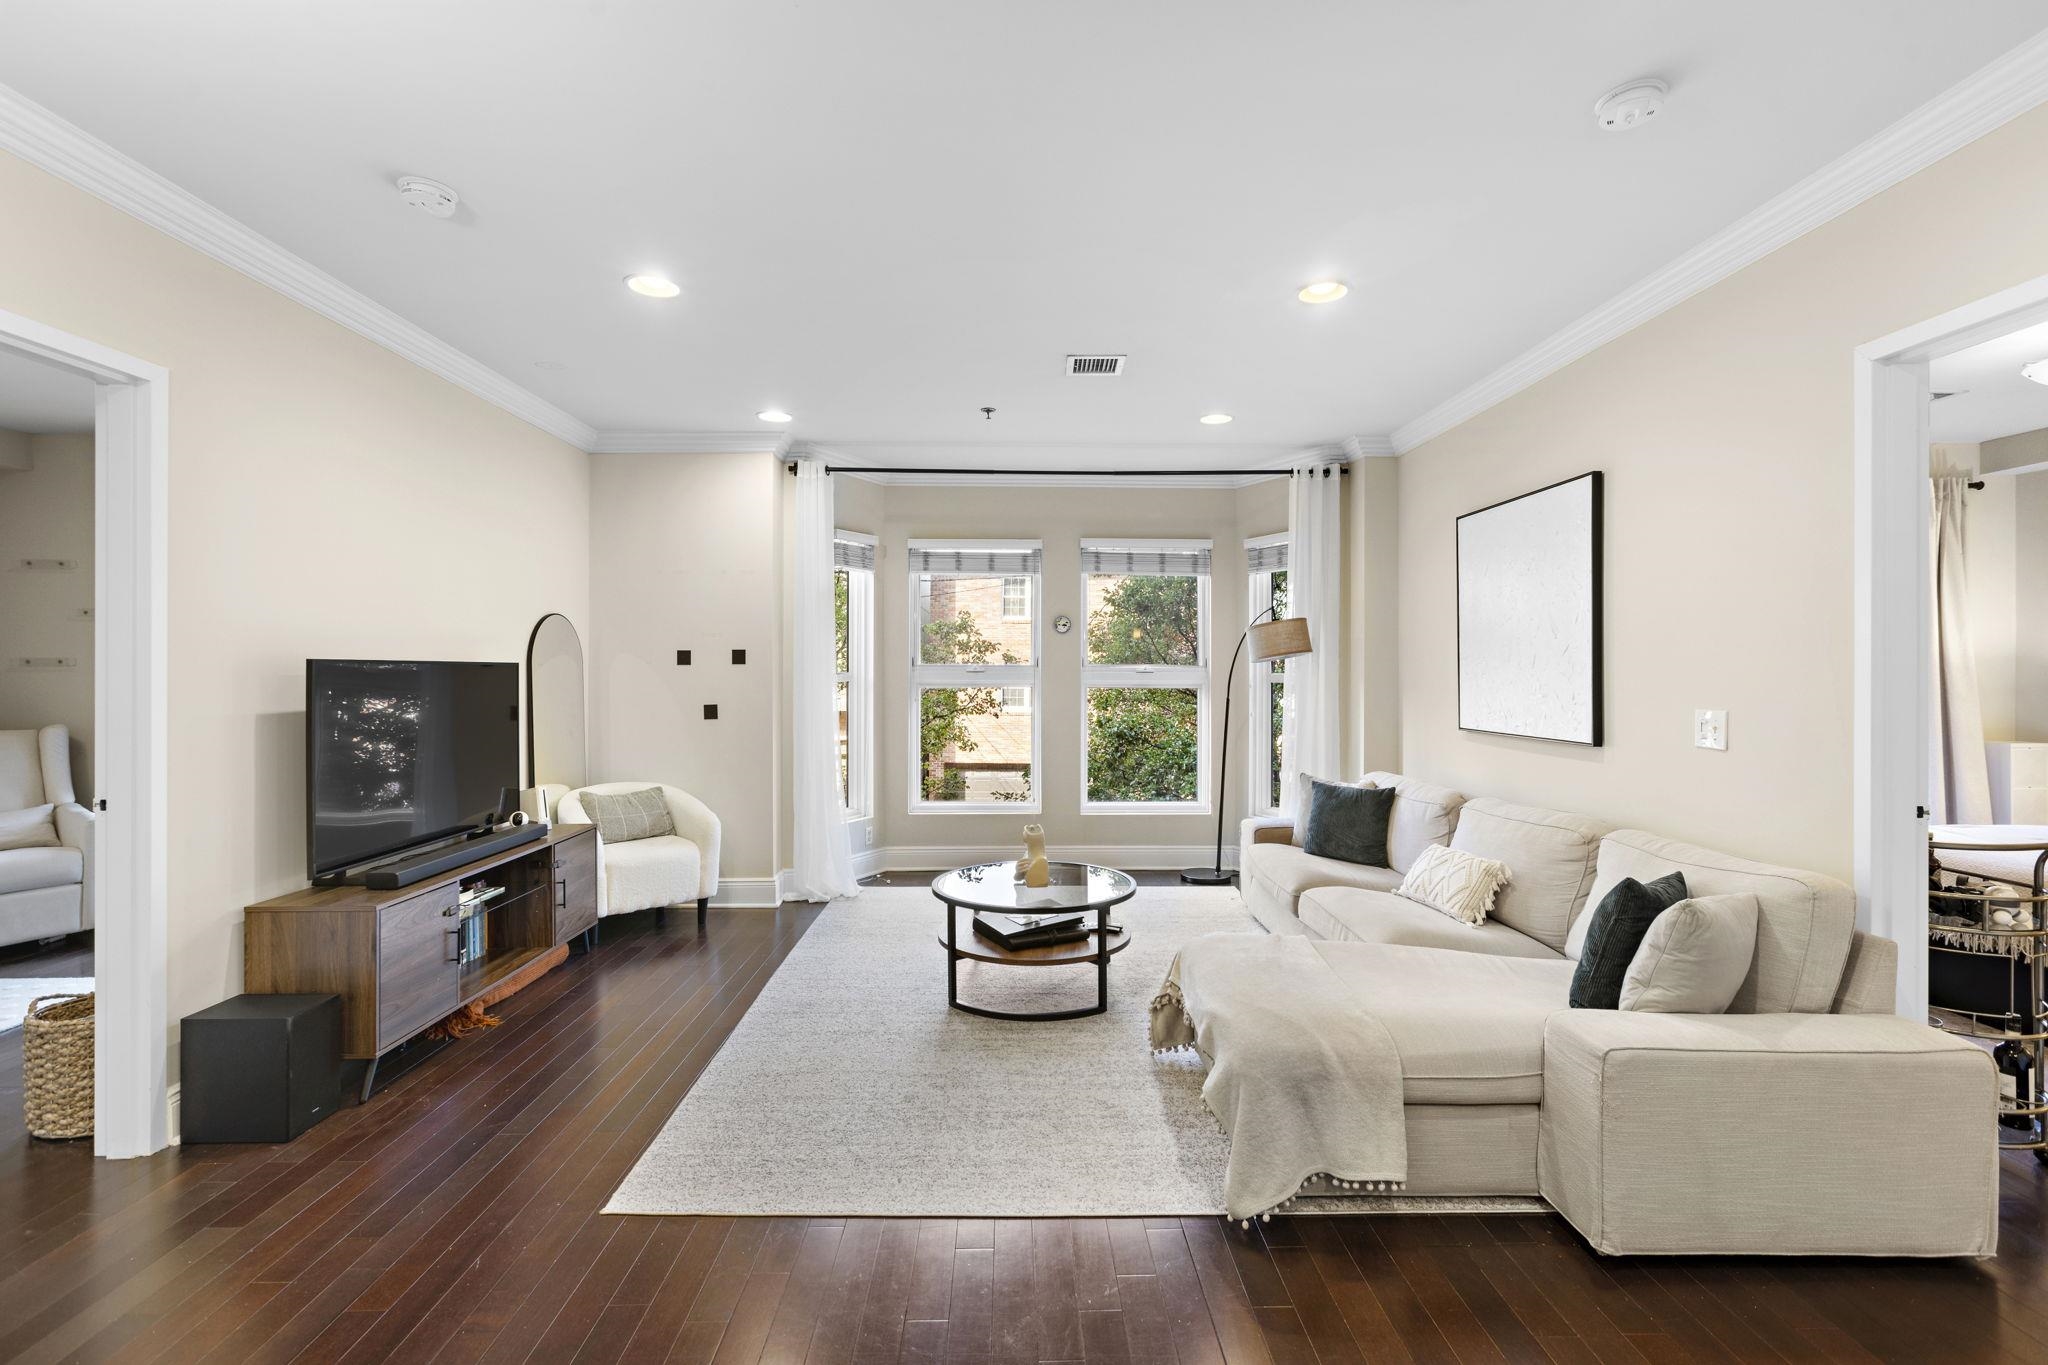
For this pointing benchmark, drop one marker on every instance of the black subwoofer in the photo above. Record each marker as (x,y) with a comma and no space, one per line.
(259,1068)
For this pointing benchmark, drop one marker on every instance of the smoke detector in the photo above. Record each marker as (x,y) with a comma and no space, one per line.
(1630,106)
(430,197)
(1096,364)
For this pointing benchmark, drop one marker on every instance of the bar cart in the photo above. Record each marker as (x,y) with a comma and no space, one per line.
(1987,943)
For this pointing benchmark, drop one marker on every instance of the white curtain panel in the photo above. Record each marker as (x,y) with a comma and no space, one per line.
(1315,592)
(823,862)
(1959,778)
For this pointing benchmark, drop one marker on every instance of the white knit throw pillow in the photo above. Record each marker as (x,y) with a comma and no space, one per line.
(1459,884)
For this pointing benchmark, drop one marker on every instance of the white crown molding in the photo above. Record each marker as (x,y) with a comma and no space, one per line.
(691,443)
(49,143)
(1986,100)
(1369,447)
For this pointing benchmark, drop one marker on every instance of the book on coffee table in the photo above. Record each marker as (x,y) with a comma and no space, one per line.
(1032,931)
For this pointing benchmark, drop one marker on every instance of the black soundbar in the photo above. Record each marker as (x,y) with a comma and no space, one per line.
(421,866)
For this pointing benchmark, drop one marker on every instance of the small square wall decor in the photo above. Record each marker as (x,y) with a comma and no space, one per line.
(1529,614)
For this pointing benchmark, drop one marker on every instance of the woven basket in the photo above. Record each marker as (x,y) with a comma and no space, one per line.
(56,1066)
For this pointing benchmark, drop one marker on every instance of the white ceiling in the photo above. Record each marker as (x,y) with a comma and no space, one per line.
(1988,396)
(42,399)
(887,215)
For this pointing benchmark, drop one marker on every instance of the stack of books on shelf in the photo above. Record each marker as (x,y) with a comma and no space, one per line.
(471,943)
(1033,930)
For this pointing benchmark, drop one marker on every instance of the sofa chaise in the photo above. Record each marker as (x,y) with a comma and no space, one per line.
(1809,1119)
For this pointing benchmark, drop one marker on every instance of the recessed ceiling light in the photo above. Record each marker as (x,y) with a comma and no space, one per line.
(1215,419)
(1323,291)
(2038,371)
(653,286)
(775,415)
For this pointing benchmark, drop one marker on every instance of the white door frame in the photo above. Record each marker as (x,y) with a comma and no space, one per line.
(1894,616)
(131,470)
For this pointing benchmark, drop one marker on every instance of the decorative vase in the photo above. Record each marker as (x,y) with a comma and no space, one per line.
(1032,868)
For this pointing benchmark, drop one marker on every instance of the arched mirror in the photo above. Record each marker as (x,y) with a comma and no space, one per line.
(554,703)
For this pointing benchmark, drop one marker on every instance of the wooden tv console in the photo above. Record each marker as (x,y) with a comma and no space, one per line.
(393,955)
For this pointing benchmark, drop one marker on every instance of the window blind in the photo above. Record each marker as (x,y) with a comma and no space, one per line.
(1266,558)
(974,560)
(853,554)
(1145,559)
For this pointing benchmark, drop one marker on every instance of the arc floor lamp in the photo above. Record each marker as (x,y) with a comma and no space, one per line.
(1280,638)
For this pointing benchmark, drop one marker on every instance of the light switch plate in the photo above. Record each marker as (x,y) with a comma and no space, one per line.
(1710,730)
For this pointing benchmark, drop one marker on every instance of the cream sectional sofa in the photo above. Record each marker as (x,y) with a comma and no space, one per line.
(1809,1119)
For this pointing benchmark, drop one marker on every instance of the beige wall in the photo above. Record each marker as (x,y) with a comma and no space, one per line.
(686,553)
(2030,634)
(46,512)
(326,498)
(1725,430)
(2024,451)
(1371,676)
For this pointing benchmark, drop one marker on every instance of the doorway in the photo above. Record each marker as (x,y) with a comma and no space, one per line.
(1894,614)
(128,859)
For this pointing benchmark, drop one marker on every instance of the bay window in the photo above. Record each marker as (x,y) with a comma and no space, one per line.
(973,672)
(1266,556)
(1145,674)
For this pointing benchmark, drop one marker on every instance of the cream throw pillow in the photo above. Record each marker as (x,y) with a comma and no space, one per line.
(30,828)
(1695,957)
(1461,885)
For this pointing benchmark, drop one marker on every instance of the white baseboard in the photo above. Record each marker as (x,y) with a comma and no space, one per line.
(174,1113)
(749,893)
(938,857)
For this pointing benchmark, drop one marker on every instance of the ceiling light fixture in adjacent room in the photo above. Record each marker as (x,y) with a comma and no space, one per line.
(1323,291)
(1630,106)
(2038,371)
(430,197)
(653,286)
(774,415)
(1215,419)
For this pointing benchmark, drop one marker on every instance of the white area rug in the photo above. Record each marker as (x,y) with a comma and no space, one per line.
(849,1088)
(17,991)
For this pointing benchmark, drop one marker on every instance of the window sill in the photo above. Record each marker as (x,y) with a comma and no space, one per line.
(1147,808)
(976,808)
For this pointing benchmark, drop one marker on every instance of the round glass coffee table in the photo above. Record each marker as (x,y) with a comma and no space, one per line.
(994,887)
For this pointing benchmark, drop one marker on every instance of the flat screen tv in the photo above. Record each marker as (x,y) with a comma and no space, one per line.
(400,754)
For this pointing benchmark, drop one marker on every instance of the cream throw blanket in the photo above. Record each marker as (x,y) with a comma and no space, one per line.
(1306,1081)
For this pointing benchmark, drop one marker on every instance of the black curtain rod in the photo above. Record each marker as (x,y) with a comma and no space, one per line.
(1077,473)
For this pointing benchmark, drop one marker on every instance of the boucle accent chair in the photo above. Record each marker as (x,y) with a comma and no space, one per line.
(45,887)
(653,874)
(1808,1119)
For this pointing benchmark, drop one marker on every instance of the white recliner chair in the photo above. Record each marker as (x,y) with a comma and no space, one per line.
(652,874)
(46,877)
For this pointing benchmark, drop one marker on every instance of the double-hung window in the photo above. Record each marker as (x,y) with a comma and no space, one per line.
(974,674)
(853,615)
(1266,556)
(1145,674)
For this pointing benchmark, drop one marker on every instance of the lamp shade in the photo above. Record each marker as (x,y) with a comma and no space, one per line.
(1279,639)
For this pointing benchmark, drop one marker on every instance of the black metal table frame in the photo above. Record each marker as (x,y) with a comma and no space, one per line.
(1100,959)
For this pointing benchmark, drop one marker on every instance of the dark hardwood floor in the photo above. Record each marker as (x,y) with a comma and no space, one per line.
(67,956)
(454,1218)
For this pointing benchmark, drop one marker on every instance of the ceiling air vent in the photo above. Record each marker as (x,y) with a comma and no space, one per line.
(1096,364)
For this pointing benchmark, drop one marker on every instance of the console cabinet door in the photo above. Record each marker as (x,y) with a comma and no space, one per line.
(575,886)
(418,980)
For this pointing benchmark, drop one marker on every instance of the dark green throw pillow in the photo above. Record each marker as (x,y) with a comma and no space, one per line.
(1348,823)
(1619,923)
